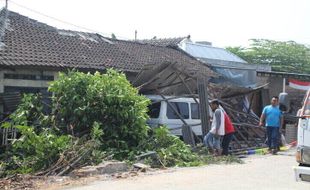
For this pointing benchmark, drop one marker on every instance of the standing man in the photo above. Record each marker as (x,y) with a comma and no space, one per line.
(229,134)
(272,116)
(213,139)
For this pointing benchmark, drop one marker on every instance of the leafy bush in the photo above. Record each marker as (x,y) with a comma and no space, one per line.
(82,151)
(108,99)
(32,152)
(171,150)
(50,154)
(30,113)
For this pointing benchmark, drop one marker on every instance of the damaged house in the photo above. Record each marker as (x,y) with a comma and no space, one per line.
(232,69)
(32,53)
(237,71)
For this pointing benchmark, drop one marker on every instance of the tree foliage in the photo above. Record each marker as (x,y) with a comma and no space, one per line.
(34,151)
(109,99)
(286,56)
(49,152)
(28,110)
(171,150)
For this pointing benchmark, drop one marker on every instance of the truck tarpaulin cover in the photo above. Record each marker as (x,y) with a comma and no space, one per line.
(297,84)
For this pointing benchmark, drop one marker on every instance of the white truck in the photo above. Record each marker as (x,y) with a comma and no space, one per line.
(302,172)
(162,114)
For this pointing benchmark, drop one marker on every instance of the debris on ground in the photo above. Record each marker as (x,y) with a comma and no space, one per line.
(141,167)
(106,167)
(18,182)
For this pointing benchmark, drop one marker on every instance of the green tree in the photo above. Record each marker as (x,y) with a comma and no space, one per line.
(286,56)
(108,99)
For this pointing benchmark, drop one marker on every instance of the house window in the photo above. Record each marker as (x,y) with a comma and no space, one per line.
(154,110)
(182,109)
(22,90)
(195,111)
(28,77)
(13,95)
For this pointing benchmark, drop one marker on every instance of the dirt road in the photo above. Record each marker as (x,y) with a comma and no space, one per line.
(257,173)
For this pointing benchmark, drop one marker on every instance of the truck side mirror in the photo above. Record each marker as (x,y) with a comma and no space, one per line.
(284,102)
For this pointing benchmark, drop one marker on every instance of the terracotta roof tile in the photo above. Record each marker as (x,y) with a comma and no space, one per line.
(28,42)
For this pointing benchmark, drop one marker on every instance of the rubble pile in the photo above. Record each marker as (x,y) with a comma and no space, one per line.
(17,182)
(248,134)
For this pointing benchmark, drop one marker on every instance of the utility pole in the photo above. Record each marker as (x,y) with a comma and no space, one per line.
(284,84)
(6,4)
(136,33)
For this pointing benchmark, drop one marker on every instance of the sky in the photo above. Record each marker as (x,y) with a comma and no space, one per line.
(222,22)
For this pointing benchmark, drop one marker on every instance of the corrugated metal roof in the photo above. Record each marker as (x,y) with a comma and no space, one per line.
(210,52)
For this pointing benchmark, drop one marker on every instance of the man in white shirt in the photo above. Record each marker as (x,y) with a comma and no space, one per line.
(213,139)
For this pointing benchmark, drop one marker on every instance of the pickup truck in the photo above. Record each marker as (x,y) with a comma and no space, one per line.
(302,172)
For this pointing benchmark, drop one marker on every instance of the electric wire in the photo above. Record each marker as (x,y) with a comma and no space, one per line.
(65,22)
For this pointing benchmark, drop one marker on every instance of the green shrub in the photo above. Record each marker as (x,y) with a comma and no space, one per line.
(108,99)
(171,150)
(32,152)
(50,154)
(30,113)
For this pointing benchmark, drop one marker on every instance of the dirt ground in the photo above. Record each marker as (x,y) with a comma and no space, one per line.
(257,173)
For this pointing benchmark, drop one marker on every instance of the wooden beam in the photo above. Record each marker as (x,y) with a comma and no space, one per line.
(203,104)
(189,90)
(242,136)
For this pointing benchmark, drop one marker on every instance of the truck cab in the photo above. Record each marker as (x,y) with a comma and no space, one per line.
(302,172)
